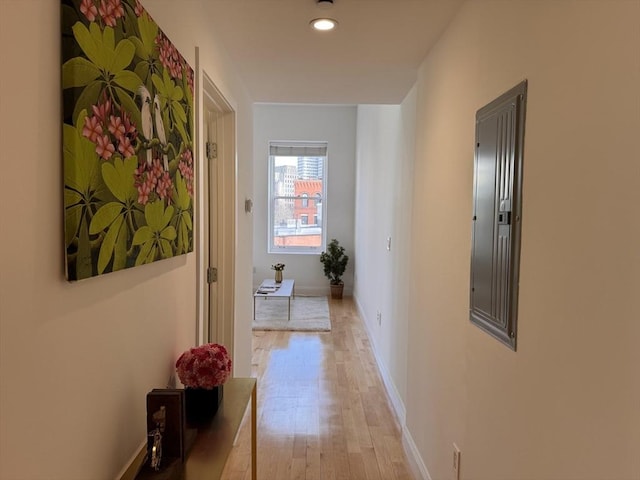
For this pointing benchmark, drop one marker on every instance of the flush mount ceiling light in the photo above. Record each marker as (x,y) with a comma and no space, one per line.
(323,24)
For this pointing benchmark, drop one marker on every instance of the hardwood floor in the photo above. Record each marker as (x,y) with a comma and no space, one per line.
(323,412)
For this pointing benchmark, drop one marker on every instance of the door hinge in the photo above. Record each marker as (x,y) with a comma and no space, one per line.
(212,150)
(212,275)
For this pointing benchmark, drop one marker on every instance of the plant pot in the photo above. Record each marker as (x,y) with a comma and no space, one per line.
(278,276)
(201,404)
(336,291)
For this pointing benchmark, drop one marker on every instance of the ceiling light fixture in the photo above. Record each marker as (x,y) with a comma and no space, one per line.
(323,24)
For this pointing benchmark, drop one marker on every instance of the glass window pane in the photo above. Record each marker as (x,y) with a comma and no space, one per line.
(297,190)
(291,227)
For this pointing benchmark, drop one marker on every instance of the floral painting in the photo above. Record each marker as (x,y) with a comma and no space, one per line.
(127,139)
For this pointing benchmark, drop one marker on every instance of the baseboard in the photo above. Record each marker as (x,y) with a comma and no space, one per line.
(418,468)
(133,465)
(392,391)
(416,463)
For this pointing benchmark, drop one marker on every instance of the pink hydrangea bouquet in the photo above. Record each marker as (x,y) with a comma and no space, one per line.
(206,366)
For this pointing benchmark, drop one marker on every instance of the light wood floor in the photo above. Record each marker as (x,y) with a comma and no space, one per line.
(322,409)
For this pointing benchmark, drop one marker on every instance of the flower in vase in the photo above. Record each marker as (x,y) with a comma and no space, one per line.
(206,366)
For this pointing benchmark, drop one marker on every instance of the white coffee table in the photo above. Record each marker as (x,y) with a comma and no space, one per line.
(269,288)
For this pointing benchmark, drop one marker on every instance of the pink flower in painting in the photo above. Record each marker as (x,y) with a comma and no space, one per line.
(169,56)
(116,127)
(153,180)
(144,190)
(189,73)
(89,10)
(92,128)
(163,188)
(186,170)
(102,110)
(206,366)
(106,12)
(129,128)
(104,147)
(125,147)
(157,170)
(118,9)
(138,9)
(110,11)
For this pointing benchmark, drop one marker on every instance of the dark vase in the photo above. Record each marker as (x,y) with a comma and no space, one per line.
(201,404)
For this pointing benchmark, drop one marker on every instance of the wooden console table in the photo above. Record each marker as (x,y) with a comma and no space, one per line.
(213,444)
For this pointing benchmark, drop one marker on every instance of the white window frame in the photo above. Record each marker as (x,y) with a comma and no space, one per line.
(295,150)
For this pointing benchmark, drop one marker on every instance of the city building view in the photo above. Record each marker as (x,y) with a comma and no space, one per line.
(298,187)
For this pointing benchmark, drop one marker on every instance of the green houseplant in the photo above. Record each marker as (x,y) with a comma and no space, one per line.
(334,262)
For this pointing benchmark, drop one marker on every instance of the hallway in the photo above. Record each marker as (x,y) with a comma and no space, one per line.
(323,412)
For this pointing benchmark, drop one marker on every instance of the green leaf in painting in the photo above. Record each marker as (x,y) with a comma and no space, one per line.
(144,254)
(80,168)
(108,244)
(182,198)
(165,248)
(127,80)
(140,50)
(119,178)
(177,94)
(87,42)
(71,197)
(72,218)
(166,218)
(148,33)
(123,56)
(78,72)
(186,218)
(142,70)
(143,235)
(105,216)
(129,105)
(183,132)
(87,98)
(156,215)
(168,233)
(120,250)
(84,267)
(108,40)
(179,111)
(158,83)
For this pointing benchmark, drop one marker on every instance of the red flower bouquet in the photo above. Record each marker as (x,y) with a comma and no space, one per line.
(206,366)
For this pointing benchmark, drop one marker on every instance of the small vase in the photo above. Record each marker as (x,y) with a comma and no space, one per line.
(278,276)
(201,404)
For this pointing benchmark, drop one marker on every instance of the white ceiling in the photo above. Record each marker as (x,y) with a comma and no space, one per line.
(372,57)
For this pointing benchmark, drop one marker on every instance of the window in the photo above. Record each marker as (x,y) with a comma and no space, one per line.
(297,189)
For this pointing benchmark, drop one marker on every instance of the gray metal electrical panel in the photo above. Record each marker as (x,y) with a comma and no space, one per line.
(497,215)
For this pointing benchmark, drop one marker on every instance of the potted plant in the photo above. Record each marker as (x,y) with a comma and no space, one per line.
(278,267)
(203,370)
(334,262)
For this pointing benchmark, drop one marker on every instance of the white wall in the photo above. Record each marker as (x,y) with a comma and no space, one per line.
(77,359)
(567,404)
(385,149)
(337,126)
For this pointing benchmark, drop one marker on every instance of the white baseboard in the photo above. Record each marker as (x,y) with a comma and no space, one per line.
(415,460)
(416,463)
(392,391)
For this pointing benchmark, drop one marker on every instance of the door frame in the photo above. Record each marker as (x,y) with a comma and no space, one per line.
(226,238)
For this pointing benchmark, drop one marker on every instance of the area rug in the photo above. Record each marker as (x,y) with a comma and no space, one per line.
(310,314)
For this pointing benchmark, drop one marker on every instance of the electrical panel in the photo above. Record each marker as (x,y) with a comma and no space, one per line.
(497,214)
